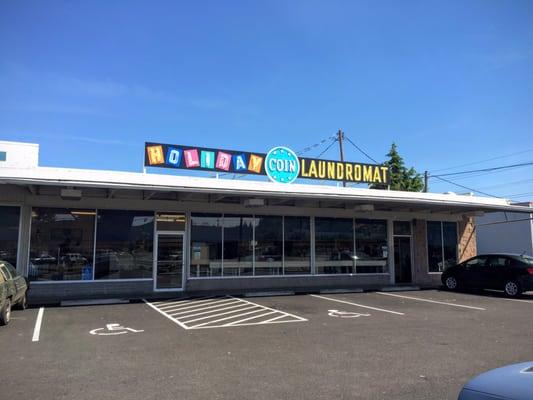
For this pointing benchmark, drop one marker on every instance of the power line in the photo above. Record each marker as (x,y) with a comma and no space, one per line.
(465,187)
(484,169)
(313,146)
(361,150)
(327,148)
(485,160)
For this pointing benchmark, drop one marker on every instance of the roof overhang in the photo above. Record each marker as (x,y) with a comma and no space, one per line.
(114,180)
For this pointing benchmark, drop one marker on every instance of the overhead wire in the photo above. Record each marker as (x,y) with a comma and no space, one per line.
(483,161)
(361,150)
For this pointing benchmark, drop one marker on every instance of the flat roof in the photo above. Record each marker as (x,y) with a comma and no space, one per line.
(175,183)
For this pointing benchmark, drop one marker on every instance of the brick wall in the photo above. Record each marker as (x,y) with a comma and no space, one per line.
(466,238)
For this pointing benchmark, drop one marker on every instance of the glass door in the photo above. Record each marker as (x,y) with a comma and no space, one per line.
(169,261)
(402,259)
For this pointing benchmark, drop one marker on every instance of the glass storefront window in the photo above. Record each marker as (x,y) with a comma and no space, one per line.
(442,245)
(124,244)
(371,246)
(9,233)
(206,245)
(268,245)
(238,245)
(334,246)
(61,244)
(402,228)
(297,245)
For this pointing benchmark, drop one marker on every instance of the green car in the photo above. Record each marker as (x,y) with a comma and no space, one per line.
(13,288)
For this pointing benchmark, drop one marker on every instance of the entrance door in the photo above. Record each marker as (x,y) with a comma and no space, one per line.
(402,259)
(169,261)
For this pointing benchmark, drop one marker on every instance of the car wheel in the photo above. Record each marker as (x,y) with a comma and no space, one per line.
(451,283)
(23,303)
(5,313)
(512,289)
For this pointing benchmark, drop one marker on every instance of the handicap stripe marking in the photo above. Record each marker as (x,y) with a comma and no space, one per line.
(220,312)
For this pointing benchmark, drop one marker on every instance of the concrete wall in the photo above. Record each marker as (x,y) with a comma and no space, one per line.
(506,237)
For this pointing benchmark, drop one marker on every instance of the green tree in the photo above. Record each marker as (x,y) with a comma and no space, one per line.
(402,178)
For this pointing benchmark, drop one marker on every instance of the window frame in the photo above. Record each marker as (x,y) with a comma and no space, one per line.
(442,244)
(17,265)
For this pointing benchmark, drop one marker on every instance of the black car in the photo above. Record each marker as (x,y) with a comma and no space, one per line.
(512,273)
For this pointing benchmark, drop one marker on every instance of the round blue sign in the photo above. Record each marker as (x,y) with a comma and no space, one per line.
(282,165)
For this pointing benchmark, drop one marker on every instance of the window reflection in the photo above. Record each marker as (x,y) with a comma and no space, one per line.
(268,245)
(124,244)
(371,246)
(61,244)
(9,234)
(442,245)
(297,244)
(206,245)
(334,246)
(238,245)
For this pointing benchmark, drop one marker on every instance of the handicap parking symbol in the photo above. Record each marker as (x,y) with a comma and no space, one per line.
(114,329)
(346,314)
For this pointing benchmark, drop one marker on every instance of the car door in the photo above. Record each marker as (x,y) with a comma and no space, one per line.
(9,285)
(474,272)
(498,268)
(19,283)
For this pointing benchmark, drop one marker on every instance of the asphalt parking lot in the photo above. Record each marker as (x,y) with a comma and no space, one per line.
(400,345)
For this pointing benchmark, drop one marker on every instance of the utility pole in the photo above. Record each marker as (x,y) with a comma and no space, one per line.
(426,175)
(340,137)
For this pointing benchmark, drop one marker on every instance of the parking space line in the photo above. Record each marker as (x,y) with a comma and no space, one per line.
(224,313)
(256,316)
(208,312)
(357,305)
(225,318)
(181,300)
(195,309)
(233,309)
(432,301)
(189,305)
(166,315)
(268,308)
(38,323)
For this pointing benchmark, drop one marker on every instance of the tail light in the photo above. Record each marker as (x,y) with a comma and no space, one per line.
(530,271)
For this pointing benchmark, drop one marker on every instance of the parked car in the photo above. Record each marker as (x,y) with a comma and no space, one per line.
(512,382)
(13,289)
(512,273)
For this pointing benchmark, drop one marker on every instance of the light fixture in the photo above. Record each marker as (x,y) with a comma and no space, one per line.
(70,194)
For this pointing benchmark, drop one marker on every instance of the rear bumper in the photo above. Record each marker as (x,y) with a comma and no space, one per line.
(527,283)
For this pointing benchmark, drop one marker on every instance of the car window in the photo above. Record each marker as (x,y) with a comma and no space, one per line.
(5,272)
(11,270)
(499,262)
(477,261)
(527,259)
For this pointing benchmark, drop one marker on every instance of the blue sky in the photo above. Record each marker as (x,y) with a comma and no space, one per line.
(450,81)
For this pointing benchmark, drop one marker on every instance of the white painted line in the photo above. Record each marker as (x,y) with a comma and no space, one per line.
(224,319)
(272,309)
(179,311)
(224,313)
(210,311)
(357,305)
(268,321)
(521,301)
(252,317)
(432,301)
(166,315)
(245,324)
(170,301)
(188,303)
(190,306)
(38,323)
